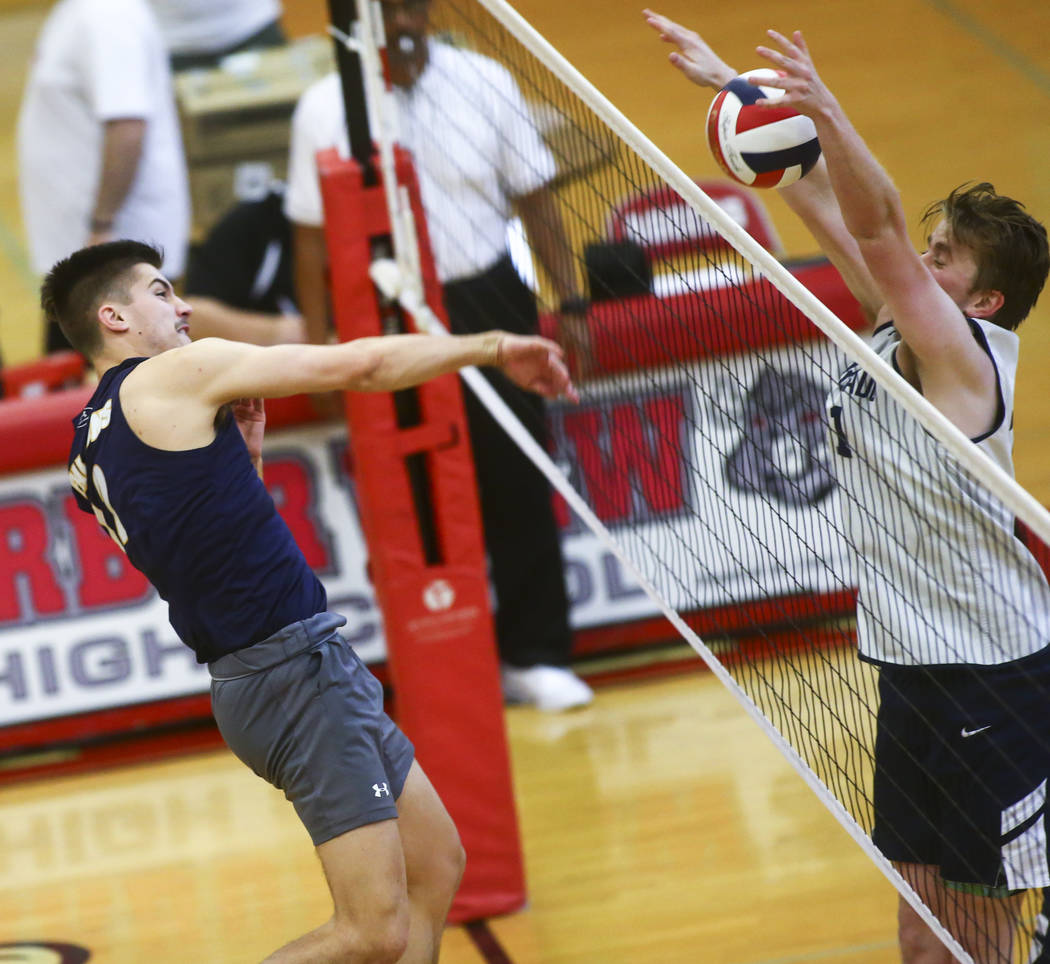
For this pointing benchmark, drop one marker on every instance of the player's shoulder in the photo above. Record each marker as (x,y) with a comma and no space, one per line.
(183,367)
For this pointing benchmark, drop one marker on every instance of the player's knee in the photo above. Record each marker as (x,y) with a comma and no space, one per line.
(453,862)
(918,944)
(459,864)
(382,939)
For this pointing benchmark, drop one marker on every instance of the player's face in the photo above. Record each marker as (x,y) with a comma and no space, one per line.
(157,318)
(952,265)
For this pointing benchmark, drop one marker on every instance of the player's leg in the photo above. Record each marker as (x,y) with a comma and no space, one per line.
(434,862)
(983,925)
(371,921)
(918,943)
(305,714)
(991,783)
(391,883)
(905,797)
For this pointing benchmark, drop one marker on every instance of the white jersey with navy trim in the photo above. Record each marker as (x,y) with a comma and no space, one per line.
(942,578)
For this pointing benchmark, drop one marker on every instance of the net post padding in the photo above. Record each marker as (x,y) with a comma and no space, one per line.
(437,620)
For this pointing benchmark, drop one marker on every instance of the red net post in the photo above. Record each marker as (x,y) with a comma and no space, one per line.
(418,505)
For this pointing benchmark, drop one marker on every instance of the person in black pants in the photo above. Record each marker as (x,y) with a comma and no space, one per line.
(479,159)
(524,549)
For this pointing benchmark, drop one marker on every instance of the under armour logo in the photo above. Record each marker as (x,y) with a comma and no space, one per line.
(381,789)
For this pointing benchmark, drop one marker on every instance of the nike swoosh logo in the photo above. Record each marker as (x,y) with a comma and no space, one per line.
(965,732)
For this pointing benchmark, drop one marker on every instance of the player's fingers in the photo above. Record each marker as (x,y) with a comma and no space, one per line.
(550,346)
(670,32)
(776,57)
(782,40)
(687,67)
(657,20)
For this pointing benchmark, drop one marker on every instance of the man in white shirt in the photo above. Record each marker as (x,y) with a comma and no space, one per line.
(99,150)
(199,33)
(478,159)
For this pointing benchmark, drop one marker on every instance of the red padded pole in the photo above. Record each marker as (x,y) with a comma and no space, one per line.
(435,603)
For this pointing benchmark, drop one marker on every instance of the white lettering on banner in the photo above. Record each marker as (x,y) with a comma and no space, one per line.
(82,631)
(159,819)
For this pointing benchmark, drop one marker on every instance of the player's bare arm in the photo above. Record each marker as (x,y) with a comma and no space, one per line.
(940,357)
(171,399)
(811,199)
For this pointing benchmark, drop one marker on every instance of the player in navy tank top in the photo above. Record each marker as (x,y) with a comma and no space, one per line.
(197,523)
(168,456)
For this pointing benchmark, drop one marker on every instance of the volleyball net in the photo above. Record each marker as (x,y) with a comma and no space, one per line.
(705,460)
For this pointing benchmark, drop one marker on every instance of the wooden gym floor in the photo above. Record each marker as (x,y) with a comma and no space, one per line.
(659,825)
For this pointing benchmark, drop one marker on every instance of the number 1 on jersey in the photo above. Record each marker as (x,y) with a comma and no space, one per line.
(840,433)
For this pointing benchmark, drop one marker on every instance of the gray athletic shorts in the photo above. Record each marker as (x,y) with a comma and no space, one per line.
(306,715)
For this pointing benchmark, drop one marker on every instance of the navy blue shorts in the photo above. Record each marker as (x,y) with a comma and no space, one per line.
(307,716)
(962,756)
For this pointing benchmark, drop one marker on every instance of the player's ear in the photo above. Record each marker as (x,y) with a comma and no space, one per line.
(984,304)
(110,316)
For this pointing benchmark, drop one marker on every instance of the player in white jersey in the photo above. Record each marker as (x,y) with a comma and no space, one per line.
(961,749)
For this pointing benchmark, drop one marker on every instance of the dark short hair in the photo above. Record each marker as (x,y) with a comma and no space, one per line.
(75,287)
(1009,246)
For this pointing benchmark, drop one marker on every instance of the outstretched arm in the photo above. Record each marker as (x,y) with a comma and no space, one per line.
(198,379)
(948,365)
(811,199)
(220,371)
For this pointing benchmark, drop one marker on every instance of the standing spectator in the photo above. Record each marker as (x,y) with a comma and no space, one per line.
(199,33)
(99,150)
(239,279)
(477,158)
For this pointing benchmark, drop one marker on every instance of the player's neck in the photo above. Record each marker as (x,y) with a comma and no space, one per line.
(113,355)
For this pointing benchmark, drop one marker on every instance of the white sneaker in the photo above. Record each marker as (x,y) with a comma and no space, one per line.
(550,688)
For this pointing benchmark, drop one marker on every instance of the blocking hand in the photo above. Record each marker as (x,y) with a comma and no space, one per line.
(694,57)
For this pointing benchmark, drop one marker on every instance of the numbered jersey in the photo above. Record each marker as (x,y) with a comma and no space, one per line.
(941,576)
(199,523)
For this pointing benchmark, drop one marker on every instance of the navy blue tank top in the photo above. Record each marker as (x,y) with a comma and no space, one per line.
(198,523)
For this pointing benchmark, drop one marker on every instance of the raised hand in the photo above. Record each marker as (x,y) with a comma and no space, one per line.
(803,89)
(250,415)
(694,57)
(536,364)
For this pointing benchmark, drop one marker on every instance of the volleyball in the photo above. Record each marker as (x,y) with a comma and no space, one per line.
(759,146)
